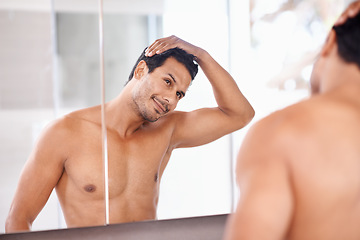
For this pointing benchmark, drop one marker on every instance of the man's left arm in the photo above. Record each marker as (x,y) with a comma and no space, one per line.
(208,124)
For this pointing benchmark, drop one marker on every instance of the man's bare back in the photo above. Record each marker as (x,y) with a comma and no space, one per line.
(303,180)
(325,179)
(299,168)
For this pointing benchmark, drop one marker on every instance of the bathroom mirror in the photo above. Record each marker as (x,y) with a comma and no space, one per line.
(49,66)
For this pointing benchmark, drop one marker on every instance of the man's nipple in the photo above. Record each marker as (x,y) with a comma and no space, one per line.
(90,188)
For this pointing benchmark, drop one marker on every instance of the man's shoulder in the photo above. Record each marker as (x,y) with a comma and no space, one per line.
(74,121)
(291,122)
(91,115)
(314,112)
(277,136)
(303,113)
(86,113)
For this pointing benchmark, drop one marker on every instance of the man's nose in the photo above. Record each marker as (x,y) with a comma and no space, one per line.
(170,100)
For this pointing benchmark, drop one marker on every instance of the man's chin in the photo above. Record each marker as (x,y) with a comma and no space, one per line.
(151,119)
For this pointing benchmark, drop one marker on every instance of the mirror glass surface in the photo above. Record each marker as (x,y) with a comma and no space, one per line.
(49,66)
(49,61)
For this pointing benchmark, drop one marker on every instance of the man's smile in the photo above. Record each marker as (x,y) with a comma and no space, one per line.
(163,108)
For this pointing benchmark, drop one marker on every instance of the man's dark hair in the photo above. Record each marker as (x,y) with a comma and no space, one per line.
(348,40)
(158,60)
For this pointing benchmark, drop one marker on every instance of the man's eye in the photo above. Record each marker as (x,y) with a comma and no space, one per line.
(168,82)
(178,94)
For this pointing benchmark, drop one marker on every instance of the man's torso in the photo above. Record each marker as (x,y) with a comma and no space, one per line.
(135,166)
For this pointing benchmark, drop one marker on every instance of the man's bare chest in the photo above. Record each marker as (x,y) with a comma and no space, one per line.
(133,164)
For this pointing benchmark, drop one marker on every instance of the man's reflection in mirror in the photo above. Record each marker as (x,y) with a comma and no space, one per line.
(143,129)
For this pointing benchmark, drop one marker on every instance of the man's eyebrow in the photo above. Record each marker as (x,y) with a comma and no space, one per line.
(172,77)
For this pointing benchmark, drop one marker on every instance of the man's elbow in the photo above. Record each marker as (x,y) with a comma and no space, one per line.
(238,118)
(250,114)
(245,117)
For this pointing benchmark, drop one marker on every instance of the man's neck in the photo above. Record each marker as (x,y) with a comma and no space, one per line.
(338,73)
(121,115)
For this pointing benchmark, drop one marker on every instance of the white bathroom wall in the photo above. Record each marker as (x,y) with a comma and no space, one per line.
(197,180)
(25,99)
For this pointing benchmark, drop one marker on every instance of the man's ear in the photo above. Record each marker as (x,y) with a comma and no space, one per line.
(140,70)
(330,43)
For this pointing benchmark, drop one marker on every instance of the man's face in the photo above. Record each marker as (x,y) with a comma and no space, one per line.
(158,92)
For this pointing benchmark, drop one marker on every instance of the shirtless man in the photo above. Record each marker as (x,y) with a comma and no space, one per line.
(299,168)
(142,129)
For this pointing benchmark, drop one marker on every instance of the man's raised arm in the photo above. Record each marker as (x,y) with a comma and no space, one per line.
(208,124)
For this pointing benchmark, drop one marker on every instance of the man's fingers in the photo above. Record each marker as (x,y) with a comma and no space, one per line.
(149,51)
(350,12)
(155,48)
(160,46)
